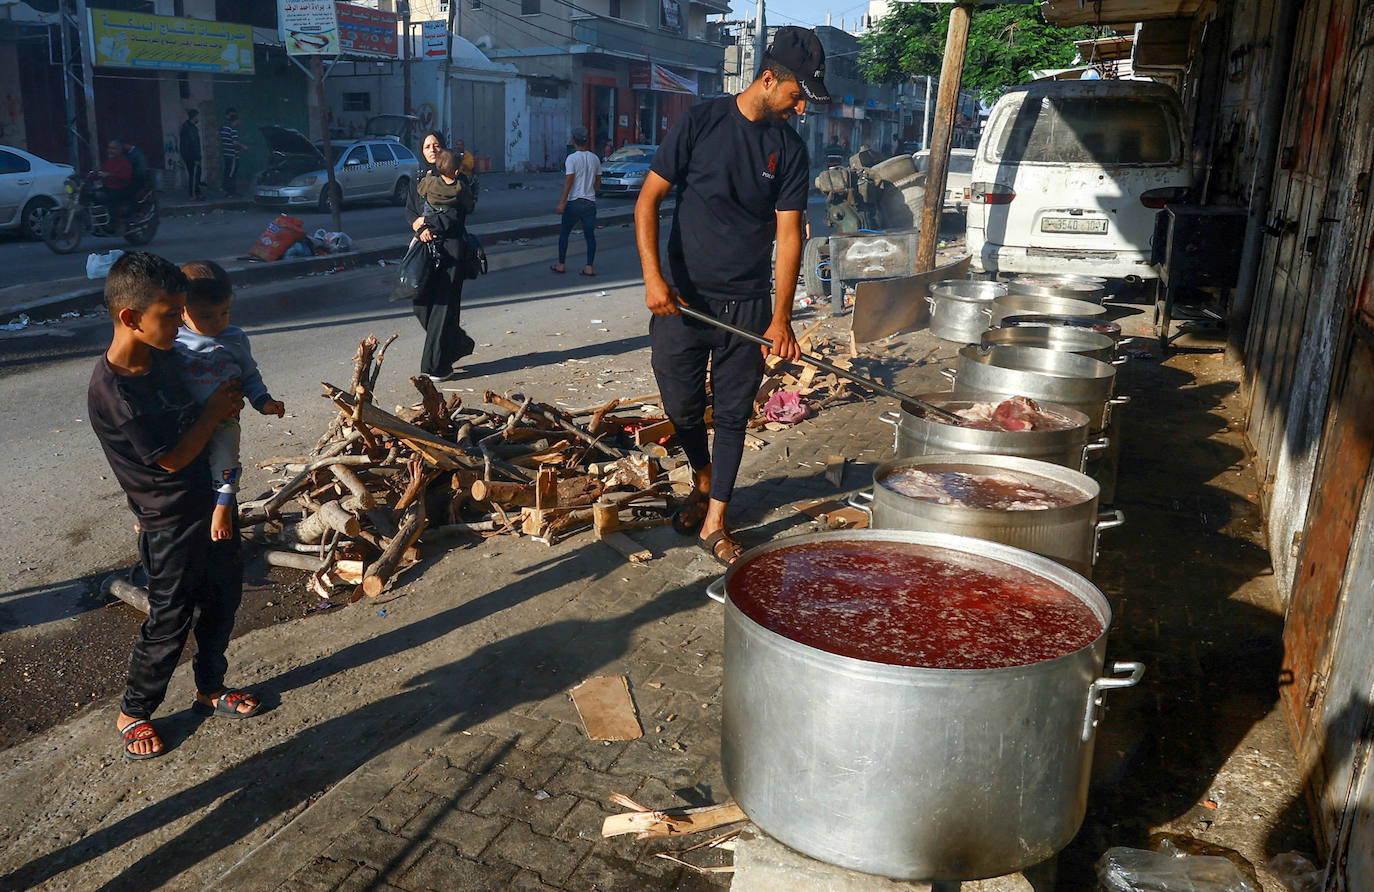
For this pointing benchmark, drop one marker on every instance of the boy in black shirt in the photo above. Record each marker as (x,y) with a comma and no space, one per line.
(153,434)
(741,176)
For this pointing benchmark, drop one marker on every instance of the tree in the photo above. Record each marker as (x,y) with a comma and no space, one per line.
(1005,43)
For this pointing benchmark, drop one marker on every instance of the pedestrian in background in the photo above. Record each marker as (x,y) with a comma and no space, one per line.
(439,305)
(229,149)
(577,204)
(191,154)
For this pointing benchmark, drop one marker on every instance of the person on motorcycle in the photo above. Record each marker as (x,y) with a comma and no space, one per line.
(116,177)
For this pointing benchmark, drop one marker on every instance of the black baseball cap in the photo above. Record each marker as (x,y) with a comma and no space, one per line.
(800,50)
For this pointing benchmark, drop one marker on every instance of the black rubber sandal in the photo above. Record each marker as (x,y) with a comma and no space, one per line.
(688,518)
(227,706)
(710,543)
(140,729)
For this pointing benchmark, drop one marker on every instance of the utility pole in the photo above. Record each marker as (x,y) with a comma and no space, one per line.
(335,193)
(87,48)
(925,117)
(445,113)
(760,40)
(951,74)
(404,7)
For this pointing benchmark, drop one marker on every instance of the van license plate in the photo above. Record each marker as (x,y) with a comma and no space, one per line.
(1072,224)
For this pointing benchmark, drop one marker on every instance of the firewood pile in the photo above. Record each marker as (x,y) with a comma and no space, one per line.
(352,512)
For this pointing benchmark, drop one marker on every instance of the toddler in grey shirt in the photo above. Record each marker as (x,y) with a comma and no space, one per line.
(212,352)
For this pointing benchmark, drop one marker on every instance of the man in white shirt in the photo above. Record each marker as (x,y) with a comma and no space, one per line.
(577,204)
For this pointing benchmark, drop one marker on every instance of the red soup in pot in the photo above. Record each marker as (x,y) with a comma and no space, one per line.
(912,605)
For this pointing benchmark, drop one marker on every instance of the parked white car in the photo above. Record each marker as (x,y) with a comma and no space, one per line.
(957,179)
(1069,176)
(29,188)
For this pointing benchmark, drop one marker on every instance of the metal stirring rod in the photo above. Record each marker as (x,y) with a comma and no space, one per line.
(828,367)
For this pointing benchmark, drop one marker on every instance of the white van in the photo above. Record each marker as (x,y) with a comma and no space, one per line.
(1069,176)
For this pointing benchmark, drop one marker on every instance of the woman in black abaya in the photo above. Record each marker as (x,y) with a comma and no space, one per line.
(438,306)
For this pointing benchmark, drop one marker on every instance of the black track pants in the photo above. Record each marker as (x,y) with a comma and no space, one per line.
(681,348)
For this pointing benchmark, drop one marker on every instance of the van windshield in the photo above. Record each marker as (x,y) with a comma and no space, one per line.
(1060,130)
(960,163)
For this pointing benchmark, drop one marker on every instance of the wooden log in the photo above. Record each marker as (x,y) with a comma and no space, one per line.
(268,509)
(360,497)
(381,571)
(294,561)
(410,433)
(647,824)
(627,547)
(116,586)
(435,409)
(328,516)
(594,427)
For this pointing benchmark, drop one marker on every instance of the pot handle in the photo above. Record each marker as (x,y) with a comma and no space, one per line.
(1113,404)
(716,591)
(951,374)
(930,300)
(1106,520)
(1094,448)
(862,501)
(891,418)
(1125,342)
(1119,361)
(1115,680)
(1119,400)
(987,312)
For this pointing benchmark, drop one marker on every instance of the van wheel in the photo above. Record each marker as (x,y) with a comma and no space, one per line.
(329,199)
(401,192)
(816,267)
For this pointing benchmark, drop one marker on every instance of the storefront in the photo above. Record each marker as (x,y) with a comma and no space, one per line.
(661,95)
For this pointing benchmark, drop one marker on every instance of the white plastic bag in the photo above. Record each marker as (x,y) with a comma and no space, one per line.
(98,265)
(333,241)
(1297,873)
(1123,869)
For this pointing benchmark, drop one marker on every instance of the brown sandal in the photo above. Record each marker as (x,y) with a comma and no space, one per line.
(711,544)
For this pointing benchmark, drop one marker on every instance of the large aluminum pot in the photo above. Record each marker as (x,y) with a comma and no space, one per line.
(912,773)
(961,310)
(1057,337)
(1089,288)
(1079,382)
(1091,323)
(1066,535)
(918,435)
(1027,304)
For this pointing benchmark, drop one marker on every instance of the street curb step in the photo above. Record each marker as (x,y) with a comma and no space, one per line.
(37,299)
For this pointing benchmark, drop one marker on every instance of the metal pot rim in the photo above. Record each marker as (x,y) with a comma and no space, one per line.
(1076,307)
(1087,338)
(1072,582)
(1097,370)
(944,399)
(1034,466)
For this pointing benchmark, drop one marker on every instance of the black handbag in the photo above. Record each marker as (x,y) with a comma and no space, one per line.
(421,262)
(474,258)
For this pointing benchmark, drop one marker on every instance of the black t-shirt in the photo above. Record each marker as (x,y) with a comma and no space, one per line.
(138,419)
(732,175)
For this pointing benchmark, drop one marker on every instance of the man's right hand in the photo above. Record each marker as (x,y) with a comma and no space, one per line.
(661,298)
(225,401)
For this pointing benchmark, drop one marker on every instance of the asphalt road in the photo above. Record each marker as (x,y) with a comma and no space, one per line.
(219,232)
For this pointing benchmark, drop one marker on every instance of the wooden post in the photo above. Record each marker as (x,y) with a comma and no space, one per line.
(317,74)
(951,74)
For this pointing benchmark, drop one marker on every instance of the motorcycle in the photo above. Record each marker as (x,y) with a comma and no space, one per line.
(85,211)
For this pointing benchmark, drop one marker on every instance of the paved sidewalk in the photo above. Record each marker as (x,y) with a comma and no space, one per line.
(428,742)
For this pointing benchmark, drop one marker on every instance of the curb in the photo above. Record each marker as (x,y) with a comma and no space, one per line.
(87,294)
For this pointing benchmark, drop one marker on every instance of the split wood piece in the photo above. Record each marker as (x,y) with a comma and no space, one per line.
(652,433)
(377,362)
(804,339)
(606,708)
(647,824)
(434,407)
(594,427)
(666,856)
(571,491)
(628,548)
(546,489)
(294,561)
(268,509)
(624,401)
(552,416)
(834,469)
(752,442)
(453,529)
(833,514)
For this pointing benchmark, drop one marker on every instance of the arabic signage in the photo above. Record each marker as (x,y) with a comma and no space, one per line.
(434,39)
(651,76)
(366,32)
(309,27)
(140,40)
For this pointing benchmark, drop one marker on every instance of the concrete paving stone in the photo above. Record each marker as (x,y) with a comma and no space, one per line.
(584,821)
(570,741)
(579,780)
(467,832)
(644,759)
(531,769)
(438,776)
(614,875)
(512,799)
(399,806)
(553,859)
(443,869)
(521,731)
(466,751)
(700,686)
(558,707)
(528,881)
(321,874)
(367,843)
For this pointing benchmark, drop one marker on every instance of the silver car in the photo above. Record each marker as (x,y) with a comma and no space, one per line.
(625,169)
(364,169)
(29,188)
(957,179)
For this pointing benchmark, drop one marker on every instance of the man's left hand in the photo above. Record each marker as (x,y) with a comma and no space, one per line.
(559,209)
(784,343)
